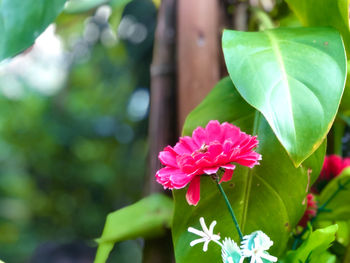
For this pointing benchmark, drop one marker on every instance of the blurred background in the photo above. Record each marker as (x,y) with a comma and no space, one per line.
(73,129)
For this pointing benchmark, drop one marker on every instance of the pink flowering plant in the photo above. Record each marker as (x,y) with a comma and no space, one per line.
(211,149)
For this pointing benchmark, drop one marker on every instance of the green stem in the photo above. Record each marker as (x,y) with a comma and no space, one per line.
(229,208)
(263,19)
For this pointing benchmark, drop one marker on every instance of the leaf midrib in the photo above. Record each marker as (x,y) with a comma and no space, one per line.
(284,78)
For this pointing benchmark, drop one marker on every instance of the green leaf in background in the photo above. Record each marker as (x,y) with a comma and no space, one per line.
(271,192)
(146,218)
(294,76)
(78,6)
(333,13)
(335,198)
(314,248)
(22,21)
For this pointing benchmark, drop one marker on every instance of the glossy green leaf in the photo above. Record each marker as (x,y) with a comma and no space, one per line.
(146,218)
(22,21)
(333,13)
(268,197)
(314,248)
(335,198)
(294,76)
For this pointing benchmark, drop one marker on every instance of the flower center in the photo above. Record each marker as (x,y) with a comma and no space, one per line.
(204,148)
(255,251)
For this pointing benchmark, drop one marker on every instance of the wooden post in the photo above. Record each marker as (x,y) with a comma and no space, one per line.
(162,122)
(198,46)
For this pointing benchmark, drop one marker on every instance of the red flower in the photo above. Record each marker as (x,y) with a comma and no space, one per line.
(333,166)
(310,212)
(218,145)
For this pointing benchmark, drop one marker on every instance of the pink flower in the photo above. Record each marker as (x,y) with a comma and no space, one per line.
(310,212)
(218,145)
(333,166)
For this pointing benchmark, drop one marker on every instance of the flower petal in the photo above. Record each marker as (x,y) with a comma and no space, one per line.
(196,232)
(211,227)
(166,176)
(204,227)
(227,175)
(213,130)
(205,246)
(230,132)
(185,145)
(193,192)
(199,136)
(168,157)
(269,257)
(211,170)
(197,241)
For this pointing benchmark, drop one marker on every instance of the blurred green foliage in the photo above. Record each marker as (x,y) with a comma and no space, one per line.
(68,159)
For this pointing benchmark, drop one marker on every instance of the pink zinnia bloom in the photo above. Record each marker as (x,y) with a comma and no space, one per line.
(311,210)
(218,145)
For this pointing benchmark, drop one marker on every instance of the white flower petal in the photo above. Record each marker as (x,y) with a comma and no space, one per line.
(206,235)
(196,231)
(268,257)
(205,246)
(204,226)
(197,241)
(211,227)
(255,245)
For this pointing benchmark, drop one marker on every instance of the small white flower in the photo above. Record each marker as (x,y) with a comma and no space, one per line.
(230,252)
(255,246)
(206,235)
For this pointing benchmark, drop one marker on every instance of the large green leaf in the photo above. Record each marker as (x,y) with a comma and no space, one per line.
(22,21)
(333,13)
(268,197)
(294,76)
(314,248)
(336,195)
(146,218)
